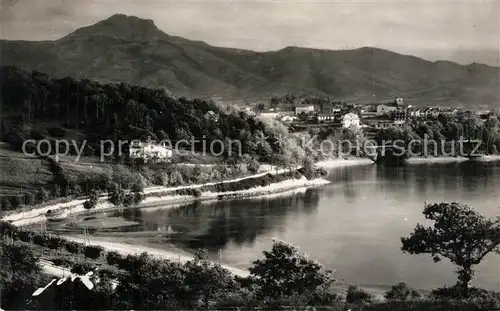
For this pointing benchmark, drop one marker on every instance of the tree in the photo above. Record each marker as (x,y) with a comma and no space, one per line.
(175,178)
(285,272)
(308,167)
(42,195)
(20,274)
(401,292)
(207,280)
(358,295)
(460,234)
(253,166)
(92,200)
(116,194)
(29,198)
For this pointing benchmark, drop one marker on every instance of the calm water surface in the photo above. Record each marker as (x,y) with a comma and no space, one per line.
(353,225)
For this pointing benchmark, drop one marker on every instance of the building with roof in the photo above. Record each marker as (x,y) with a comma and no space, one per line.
(350,119)
(304,109)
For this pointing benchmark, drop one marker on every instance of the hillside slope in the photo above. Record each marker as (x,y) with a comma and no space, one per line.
(129,49)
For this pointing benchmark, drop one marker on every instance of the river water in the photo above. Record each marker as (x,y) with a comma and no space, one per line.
(353,225)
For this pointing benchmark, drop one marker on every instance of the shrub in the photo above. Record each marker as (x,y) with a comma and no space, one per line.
(6,205)
(116,194)
(55,242)
(108,273)
(357,295)
(128,200)
(62,262)
(114,258)
(42,195)
(39,239)
(57,131)
(197,193)
(93,251)
(137,197)
(16,201)
(73,247)
(82,268)
(176,178)
(137,186)
(253,166)
(402,292)
(29,198)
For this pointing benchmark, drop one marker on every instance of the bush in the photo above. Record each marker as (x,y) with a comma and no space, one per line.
(402,292)
(41,240)
(93,251)
(128,200)
(175,179)
(253,166)
(29,198)
(137,197)
(357,295)
(63,262)
(137,186)
(82,268)
(16,201)
(6,204)
(73,247)
(57,131)
(115,194)
(114,258)
(55,242)
(42,195)
(197,193)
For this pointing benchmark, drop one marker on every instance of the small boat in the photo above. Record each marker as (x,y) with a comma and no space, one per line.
(56,215)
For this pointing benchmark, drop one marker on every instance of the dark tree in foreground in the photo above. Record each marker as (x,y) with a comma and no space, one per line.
(460,234)
(285,272)
(401,292)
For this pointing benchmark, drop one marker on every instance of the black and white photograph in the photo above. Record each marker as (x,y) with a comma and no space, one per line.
(250,155)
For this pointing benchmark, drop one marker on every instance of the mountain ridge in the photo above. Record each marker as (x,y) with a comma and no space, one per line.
(130,49)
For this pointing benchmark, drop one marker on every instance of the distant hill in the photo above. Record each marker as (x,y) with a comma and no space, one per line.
(129,49)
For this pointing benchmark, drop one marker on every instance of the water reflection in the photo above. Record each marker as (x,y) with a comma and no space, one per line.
(214,225)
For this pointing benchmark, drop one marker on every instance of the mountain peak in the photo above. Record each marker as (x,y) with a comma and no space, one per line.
(121,26)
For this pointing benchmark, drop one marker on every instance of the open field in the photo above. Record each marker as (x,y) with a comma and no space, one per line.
(20,173)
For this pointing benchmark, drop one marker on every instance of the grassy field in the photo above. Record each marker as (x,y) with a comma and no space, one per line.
(21,173)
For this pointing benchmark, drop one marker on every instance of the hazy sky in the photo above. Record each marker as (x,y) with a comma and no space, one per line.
(463,31)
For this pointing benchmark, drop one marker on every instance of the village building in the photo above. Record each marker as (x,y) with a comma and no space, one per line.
(149,151)
(323,118)
(382,122)
(271,114)
(350,119)
(386,109)
(304,109)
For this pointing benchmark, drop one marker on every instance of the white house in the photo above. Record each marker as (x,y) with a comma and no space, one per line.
(271,114)
(149,151)
(350,119)
(384,109)
(304,109)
